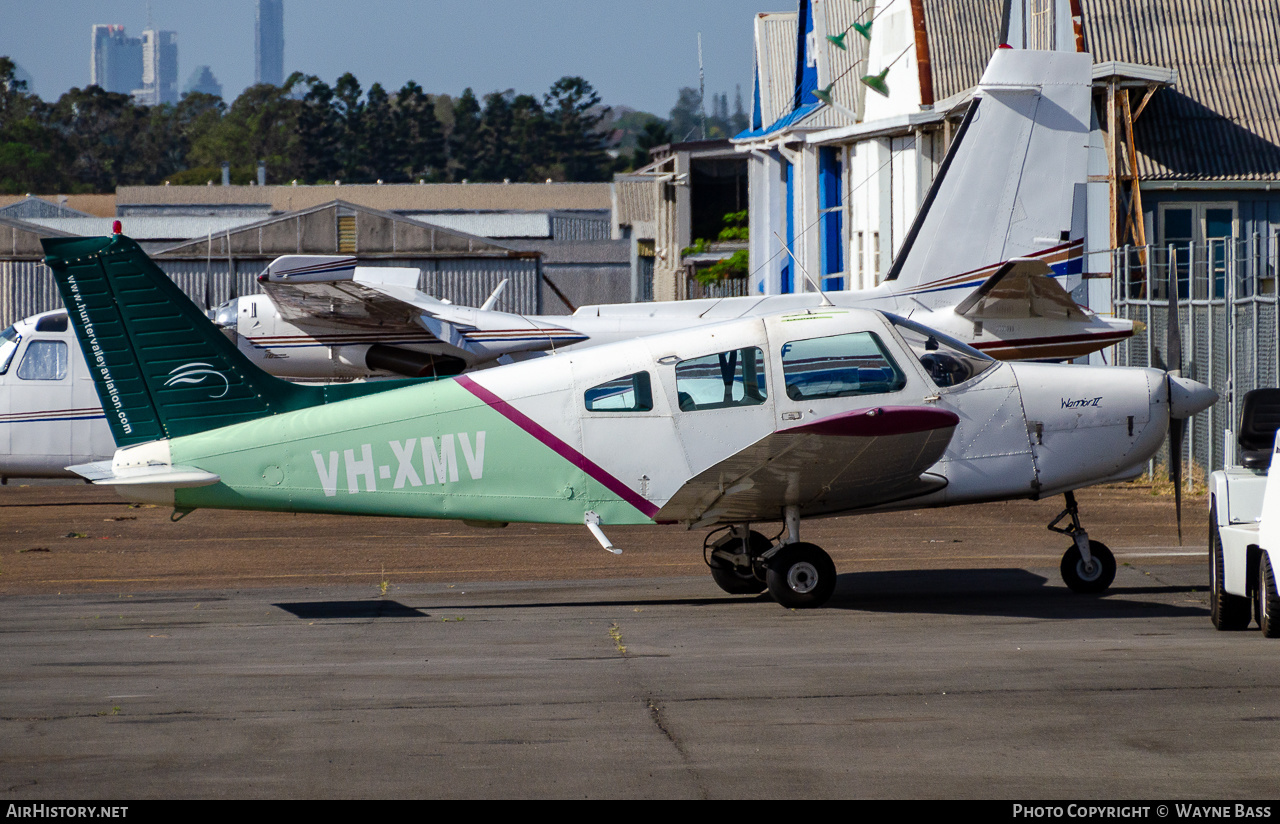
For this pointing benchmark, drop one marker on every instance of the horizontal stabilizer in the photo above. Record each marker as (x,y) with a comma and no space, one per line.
(1021,288)
(174,477)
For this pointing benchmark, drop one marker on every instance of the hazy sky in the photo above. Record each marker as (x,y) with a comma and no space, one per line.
(636,54)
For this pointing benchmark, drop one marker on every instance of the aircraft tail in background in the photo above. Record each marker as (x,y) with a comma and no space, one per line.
(1012,184)
(161,367)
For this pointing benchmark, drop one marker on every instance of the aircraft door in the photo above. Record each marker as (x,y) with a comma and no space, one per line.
(627,431)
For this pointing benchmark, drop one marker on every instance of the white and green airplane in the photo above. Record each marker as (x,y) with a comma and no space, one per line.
(809,412)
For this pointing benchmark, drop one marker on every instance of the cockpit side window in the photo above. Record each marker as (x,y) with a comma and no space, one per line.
(733,378)
(632,393)
(9,342)
(52,323)
(45,360)
(948,361)
(839,366)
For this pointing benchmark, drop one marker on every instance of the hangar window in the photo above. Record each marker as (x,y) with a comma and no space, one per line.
(9,340)
(733,378)
(45,360)
(632,393)
(839,366)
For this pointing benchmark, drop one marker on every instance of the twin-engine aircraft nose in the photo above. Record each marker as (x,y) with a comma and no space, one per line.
(1187,397)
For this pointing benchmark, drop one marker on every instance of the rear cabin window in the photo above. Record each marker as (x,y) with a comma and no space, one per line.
(733,378)
(839,366)
(45,360)
(632,393)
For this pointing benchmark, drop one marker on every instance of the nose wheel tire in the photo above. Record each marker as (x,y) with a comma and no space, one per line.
(1268,599)
(1228,612)
(801,576)
(1089,578)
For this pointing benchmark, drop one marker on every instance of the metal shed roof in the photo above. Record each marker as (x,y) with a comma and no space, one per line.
(1222,121)
(962,36)
(317,231)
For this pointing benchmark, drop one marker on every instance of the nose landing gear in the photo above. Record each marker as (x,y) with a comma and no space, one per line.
(1087,566)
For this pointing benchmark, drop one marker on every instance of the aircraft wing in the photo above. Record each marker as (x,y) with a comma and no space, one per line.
(334,289)
(319,287)
(1021,288)
(846,461)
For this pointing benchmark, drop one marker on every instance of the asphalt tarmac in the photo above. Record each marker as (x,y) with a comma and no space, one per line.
(235,655)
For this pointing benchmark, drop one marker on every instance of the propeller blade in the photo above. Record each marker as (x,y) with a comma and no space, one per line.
(1177,427)
(1173,342)
(1173,363)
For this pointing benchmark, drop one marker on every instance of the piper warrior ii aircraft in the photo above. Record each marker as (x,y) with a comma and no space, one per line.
(782,416)
(982,263)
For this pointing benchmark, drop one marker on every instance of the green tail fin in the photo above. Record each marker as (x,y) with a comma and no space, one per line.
(162,369)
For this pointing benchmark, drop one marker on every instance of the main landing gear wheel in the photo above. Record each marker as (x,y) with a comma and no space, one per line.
(801,576)
(1093,577)
(731,576)
(1268,599)
(1228,612)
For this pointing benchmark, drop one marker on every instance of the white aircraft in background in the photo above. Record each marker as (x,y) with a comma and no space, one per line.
(981,264)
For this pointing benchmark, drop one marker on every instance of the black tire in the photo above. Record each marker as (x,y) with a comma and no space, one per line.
(734,581)
(1089,580)
(1229,613)
(1268,600)
(731,578)
(801,576)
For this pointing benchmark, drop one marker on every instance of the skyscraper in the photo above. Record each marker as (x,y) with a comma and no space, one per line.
(115,61)
(268,43)
(202,80)
(159,68)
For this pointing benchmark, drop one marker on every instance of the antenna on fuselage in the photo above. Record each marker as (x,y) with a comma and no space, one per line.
(826,301)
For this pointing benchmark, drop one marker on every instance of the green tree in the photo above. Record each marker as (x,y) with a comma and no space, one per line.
(655,133)
(464,137)
(419,149)
(576,148)
(32,155)
(262,124)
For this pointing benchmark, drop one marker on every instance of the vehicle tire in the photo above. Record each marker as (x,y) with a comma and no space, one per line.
(1228,612)
(1089,580)
(1268,600)
(801,576)
(731,578)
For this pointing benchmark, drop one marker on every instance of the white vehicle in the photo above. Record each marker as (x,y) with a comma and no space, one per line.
(1244,523)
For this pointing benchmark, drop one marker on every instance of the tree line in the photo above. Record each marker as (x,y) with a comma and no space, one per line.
(91,140)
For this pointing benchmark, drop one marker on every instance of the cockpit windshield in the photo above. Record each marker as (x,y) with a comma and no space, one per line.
(9,340)
(948,361)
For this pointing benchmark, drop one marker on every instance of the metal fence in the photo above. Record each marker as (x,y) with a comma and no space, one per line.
(1226,303)
(723,288)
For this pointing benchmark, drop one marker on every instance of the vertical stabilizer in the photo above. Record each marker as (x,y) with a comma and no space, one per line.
(1009,181)
(162,369)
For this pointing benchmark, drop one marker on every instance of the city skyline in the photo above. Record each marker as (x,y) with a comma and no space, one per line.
(488,46)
